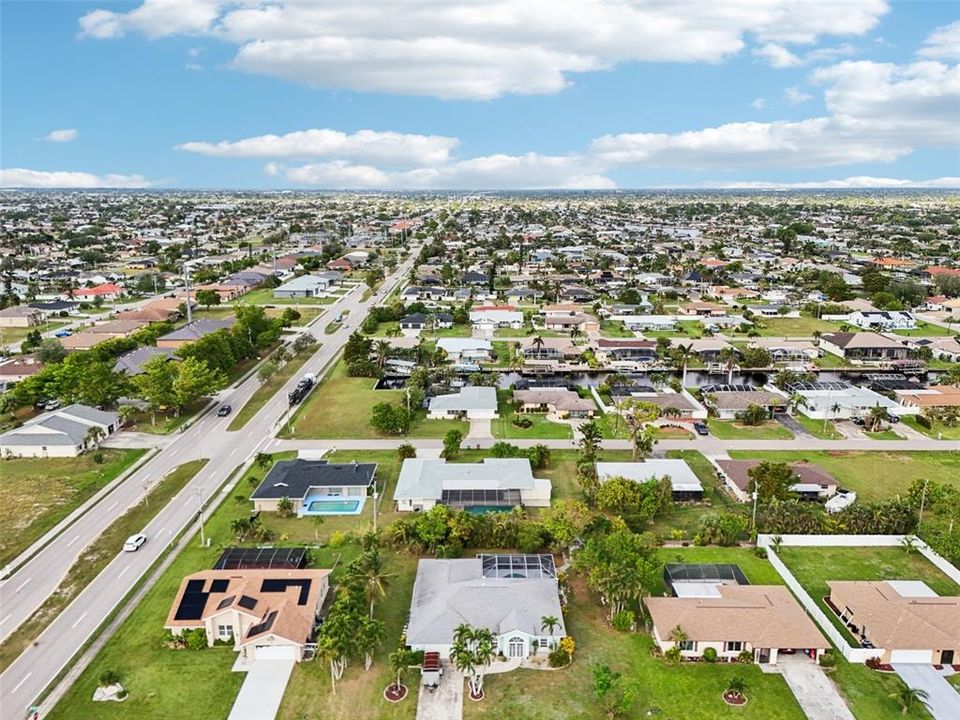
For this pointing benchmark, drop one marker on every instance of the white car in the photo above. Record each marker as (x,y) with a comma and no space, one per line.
(134,542)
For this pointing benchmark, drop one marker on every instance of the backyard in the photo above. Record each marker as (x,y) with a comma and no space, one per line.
(340,407)
(873,475)
(37,493)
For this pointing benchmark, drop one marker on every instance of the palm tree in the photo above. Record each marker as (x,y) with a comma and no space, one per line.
(382,350)
(952,375)
(678,635)
(400,661)
(775,542)
(908,697)
(370,635)
(262,459)
(370,573)
(877,416)
(682,355)
(537,344)
(728,356)
(549,623)
(94,435)
(834,409)
(574,334)
(736,686)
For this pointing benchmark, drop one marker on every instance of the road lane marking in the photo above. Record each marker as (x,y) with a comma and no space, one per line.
(123,571)
(78,621)
(73,541)
(17,686)
(6,618)
(113,506)
(24,584)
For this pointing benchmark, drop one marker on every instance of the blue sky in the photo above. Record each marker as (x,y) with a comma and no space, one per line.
(408,94)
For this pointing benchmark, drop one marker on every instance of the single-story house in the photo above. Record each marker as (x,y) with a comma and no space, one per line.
(117,328)
(307,286)
(812,481)
(20,316)
(472,403)
(684,483)
(309,484)
(564,323)
(625,350)
(266,614)
(60,433)
(193,331)
(838,400)
(905,619)
(934,396)
(707,349)
(535,349)
(107,291)
(132,362)
(639,323)
(53,308)
(16,369)
(863,347)
(414,321)
(492,483)
(782,350)
(509,595)
(702,309)
(466,349)
(765,621)
(560,401)
(730,402)
(885,320)
(945,348)
(683,402)
(491,317)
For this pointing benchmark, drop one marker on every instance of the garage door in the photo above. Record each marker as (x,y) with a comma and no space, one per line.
(275,652)
(911,656)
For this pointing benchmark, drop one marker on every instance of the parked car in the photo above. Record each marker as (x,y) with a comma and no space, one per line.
(701,428)
(894,419)
(859,421)
(63,333)
(51,405)
(134,542)
(224,410)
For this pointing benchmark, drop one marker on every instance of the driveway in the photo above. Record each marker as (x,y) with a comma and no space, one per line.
(262,690)
(444,703)
(791,424)
(943,701)
(480,429)
(816,693)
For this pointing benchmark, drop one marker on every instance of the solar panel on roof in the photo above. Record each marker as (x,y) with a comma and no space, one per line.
(281,585)
(265,625)
(219,586)
(194,586)
(225,602)
(247,602)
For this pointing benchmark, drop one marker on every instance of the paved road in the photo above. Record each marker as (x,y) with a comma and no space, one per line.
(24,591)
(707,445)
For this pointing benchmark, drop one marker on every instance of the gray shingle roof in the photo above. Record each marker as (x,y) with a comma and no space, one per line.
(294,478)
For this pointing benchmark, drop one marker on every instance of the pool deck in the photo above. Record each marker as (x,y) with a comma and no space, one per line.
(330,501)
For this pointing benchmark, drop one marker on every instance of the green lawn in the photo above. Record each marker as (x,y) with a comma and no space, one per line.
(690,691)
(684,329)
(340,407)
(199,685)
(457,331)
(813,567)
(874,475)
(938,431)
(268,389)
(11,336)
(503,426)
(37,493)
(882,435)
(264,296)
(615,330)
(828,361)
(819,429)
(166,422)
(794,327)
(732,430)
(926,330)
(95,557)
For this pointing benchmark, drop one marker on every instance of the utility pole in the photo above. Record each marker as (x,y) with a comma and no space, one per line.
(923,499)
(375,508)
(186,282)
(203,539)
(755,496)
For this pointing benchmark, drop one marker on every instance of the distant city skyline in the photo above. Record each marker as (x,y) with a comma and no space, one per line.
(411,95)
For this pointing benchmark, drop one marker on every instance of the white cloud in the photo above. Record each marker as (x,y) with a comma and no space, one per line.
(758,104)
(367,145)
(796,96)
(859,182)
(777,56)
(61,136)
(23,178)
(943,43)
(479,50)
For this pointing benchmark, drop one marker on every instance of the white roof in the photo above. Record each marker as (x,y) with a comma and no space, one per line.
(469,398)
(459,345)
(696,589)
(912,588)
(425,478)
(682,478)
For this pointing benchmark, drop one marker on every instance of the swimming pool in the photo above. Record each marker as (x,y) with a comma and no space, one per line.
(333,506)
(484,509)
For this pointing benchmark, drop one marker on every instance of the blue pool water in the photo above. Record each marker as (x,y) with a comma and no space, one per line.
(484,509)
(333,506)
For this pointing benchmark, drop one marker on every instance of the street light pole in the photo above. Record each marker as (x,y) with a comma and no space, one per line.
(203,539)
(923,499)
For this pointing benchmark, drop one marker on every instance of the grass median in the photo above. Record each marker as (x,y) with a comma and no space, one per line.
(268,389)
(95,557)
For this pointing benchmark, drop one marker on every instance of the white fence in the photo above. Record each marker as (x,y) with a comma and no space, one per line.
(852,654)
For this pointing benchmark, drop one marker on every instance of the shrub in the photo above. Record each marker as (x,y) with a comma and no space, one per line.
(558,658)
(98,457)
(873,663)
(924,421)
(710,655)
(195,639)
(828,659)
(623,620)
(530,537)
(406,451)
(337,539)
(108,677)
(745,657)
(285,507)
(122,694)
(760,552)
(523,422)
(673,655)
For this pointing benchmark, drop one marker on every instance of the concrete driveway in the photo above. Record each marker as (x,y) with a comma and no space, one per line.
(943,701)
(816,693)
(262,690)
(480,429)
(444,703)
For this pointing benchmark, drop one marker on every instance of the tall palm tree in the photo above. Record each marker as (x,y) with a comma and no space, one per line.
(877,416)
(537,343)
(682,355)
(381,351)
(728,356)
(549,623)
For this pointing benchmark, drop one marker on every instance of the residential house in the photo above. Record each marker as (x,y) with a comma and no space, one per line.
(561,402)
(684,483)
(414,321)
(863,347)
(108,292)
(61,433)
(934,396)
(193,331)
(132,363)
(812,481)
(20,316)
(728,401)
(673,405)
(307,286)
(14,370)
(905,619)
(509,595)
(494,483)
(641,323)
(311,485)
(883,320)
(624,350)
(702,309)
(842,401)
(265,614)
(468,350)
(491,317)
(472,403)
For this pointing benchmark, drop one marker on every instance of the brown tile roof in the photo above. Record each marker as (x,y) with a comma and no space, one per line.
(766,616)
(808,473)
(562,399)
(741,400)
(849,340)
(896,622)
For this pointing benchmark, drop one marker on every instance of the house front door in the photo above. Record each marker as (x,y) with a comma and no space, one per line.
(946,657)
(516,648)
(763,655)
